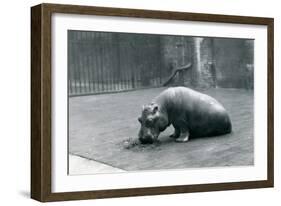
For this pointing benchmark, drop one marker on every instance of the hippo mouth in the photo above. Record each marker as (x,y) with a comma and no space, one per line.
(148,139)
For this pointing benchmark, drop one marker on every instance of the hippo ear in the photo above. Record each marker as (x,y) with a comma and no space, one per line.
(139,119)
(155,109)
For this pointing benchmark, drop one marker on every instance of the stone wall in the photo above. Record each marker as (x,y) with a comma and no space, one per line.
(176,52)
(234,61)
(207,74)
(221,62)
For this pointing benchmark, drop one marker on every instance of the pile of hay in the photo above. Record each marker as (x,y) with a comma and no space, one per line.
(136,145)
(130,143)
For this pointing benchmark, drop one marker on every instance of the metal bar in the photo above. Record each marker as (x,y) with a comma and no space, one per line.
(88,69)
(73,81)
(82,65)
(160,48)
(92,62)
(116,65)
(120,68)
(69,63)
(85,69)
(102,64)
(78,53)
(110,67)
(95,64)
(112,62)
(98,62)
(81,72)
(126,73)
(107,63)
(119,47)
(89,60)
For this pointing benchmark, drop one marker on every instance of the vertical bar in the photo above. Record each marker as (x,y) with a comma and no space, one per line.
(88,60)
(111,68)
(85,63)
(91,54)
(112,58)
(126,71)
(98,61)
(120,47)
(91,62)
(107,61)
(101,62)
(94,61)
(88,71)
(133,76)
(75,70)
(160,59)
(81,69)
(75,60)
(122,50)
(77,45)
(132,72)
(104,62)
(121,61)
(115,51)
(129,60)
(129,75)
(82,62)
(137,75)
(90,51)
(90,65)
(69,62)
(117,43)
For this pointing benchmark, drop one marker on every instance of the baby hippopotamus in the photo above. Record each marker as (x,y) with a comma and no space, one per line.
(191,113)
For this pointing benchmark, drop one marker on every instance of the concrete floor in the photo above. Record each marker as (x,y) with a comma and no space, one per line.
(82,166)
(99,126)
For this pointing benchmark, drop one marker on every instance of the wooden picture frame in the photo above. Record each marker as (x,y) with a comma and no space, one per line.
(41,116)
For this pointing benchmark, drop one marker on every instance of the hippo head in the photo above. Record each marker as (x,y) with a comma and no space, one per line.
(149,130)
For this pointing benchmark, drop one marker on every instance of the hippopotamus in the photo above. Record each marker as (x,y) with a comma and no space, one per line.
(191,113)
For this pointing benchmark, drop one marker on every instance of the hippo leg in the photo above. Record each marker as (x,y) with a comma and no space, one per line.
(176,133)
(184,137)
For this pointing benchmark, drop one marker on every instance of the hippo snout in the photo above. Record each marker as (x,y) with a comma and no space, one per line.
(146,139)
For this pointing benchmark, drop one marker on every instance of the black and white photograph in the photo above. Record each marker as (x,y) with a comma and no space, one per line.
(134,102)
(149,102)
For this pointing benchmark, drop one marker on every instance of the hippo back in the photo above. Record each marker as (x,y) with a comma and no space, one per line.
(202,114)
